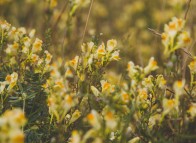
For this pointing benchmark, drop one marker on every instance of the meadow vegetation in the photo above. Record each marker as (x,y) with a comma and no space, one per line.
(97,71)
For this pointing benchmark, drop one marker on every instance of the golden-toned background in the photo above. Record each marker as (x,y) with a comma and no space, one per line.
(62,23)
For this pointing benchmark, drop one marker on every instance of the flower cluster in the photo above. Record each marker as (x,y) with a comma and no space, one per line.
(24,69)
(174,36)
(60,97)
(79,101)
(23,48)
(10,80)
(10,126)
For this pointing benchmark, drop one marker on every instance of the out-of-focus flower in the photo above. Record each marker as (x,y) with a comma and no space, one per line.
(74,63)
(101,50)
(34,58)
(192,66)
(12,49)
(4,25)
(68,73)
(27,42)
(174,26)
(37,45)
(111,44)
(69,102)
(48,57)
(184,39)
(160,81)
(115,56)
(16,137)
(32,33)
(152,65)
(10,126)
(179,87)
(147,82)
(143,94)
(165,39)
(106,86)
(169,104)
(94,119)
(125,97)
(111,122)
(75,138)
(59,84)
(16,117)
(173,37)
(131,69)
(11,80)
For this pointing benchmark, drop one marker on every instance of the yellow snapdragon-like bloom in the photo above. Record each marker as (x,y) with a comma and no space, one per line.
(125,97)
(10,126)
(169,104)
(106,86)
(59,84)
(192,66)
(101,50)
(143,94)
(11,80)
(16,117)
(111,122)
(75,138)
(51,101)
(152,65)
(184,38)
(111,44)
(174,37)
(131,68)
(48,57)
(68,73)
(161,82)
(74,63)
(34,58)
(32,33)
(179,87)
(94,119)
(4,25)
(174,26)
(17,137)
(115,56)
(147,82)
(27,41)
(12,49)
(37,45)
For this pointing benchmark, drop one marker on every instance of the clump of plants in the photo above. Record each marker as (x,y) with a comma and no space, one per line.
(72,101)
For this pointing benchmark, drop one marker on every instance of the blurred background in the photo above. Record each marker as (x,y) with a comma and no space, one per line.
(61,24)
